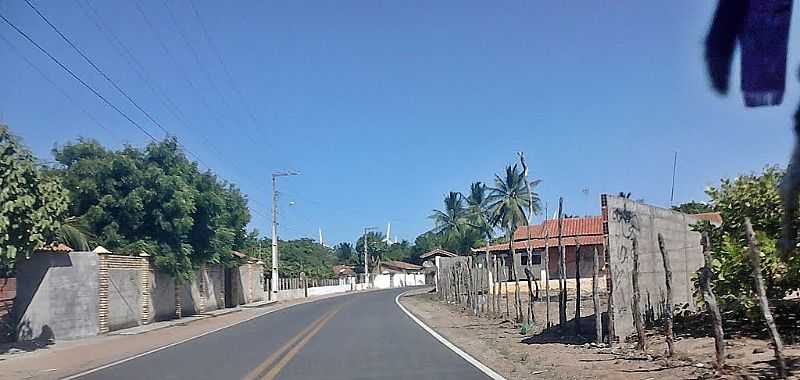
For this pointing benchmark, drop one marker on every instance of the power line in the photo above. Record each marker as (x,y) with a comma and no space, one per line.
(126,53)
(57,87)
(113,83)
(54,59)
(102,73)
(92,14)
(87,86)
(231,82)
(196,57)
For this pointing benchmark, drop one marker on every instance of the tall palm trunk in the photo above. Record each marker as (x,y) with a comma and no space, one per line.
(514,261)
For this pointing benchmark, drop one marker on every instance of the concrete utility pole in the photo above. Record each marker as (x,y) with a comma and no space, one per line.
(275,230)
(366,255)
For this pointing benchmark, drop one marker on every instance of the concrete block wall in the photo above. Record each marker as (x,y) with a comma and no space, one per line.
(248,283)
(57,296)
(627,219)
(123,291)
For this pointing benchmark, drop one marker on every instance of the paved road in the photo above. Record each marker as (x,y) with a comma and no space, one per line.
(357,336)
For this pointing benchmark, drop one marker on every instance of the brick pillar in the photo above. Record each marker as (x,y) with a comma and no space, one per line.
(102,293)
(144,285)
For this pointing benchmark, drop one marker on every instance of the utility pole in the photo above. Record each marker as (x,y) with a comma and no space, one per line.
(275,230)
(366,255)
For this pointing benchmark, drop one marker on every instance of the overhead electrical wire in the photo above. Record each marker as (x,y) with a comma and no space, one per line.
(126,53)
(85,84)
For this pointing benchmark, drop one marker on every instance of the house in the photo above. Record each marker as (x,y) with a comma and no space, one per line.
(343,271)
(586,231)
(391,266)
(436,252)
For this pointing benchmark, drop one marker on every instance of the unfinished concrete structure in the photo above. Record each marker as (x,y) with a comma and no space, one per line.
(625,220)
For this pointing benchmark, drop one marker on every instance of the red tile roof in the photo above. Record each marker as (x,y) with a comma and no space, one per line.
(587,230)
(437,252)
(590,225)
(400,265)
(714,217)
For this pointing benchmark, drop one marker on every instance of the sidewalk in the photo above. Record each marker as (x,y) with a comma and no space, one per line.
(65,358)
(183,321)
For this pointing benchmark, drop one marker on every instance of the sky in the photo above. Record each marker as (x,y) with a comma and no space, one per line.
(384,107)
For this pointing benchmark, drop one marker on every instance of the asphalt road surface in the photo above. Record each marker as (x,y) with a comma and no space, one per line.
(357,336)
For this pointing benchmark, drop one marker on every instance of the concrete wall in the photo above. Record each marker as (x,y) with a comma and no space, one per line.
(162,296)
(248,284)
(57,296)
(628,220)
(398,280)
(205,292)
(124,299)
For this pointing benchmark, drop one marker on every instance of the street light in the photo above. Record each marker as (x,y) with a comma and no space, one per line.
(275,228)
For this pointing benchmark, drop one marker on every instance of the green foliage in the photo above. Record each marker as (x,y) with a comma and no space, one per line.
(377,249)
(305,255)
(345,254)
(754,196)
(153,200)
(509,202)
(31,204)
(693,207)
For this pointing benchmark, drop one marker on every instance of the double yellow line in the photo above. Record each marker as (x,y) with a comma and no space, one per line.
(266,371)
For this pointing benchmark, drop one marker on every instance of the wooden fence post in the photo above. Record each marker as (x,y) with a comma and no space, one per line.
(668,307)
(562,270)
(755,260)
(711,302)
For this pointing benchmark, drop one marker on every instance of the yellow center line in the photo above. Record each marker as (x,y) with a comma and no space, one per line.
(289,355)
(261,368)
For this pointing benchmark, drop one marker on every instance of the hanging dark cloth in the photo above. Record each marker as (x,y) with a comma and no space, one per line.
(761,27)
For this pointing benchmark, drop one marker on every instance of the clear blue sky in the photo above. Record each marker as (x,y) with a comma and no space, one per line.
(386,106)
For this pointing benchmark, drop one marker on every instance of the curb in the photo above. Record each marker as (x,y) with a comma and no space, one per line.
(471,360)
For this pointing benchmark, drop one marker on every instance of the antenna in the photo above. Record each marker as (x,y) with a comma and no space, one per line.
(672,190)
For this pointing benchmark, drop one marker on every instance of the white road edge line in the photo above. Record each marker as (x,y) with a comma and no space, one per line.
(102,367)
(471,360)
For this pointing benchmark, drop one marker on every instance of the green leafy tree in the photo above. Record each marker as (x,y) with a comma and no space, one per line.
(154,200)
(452,224)
(754,196)
(479,215)
(693,207)
(32,205)
(345,253)
(508,202)
(377,249)
(305,255)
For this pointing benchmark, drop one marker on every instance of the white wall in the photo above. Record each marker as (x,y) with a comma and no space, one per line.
(382,281)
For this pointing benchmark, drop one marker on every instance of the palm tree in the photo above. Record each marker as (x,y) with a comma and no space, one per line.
(451,223)
(508,204)
(479,218)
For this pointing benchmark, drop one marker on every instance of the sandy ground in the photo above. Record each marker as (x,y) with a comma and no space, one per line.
(546,354)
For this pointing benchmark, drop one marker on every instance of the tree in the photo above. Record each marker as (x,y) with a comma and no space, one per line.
(345,254)
(31,204)
(693,207)
(752,196)
(306,255)
(154,200)
(508,204)
(377,249)
(451,223)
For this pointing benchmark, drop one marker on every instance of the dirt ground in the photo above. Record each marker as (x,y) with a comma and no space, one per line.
(544,353)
